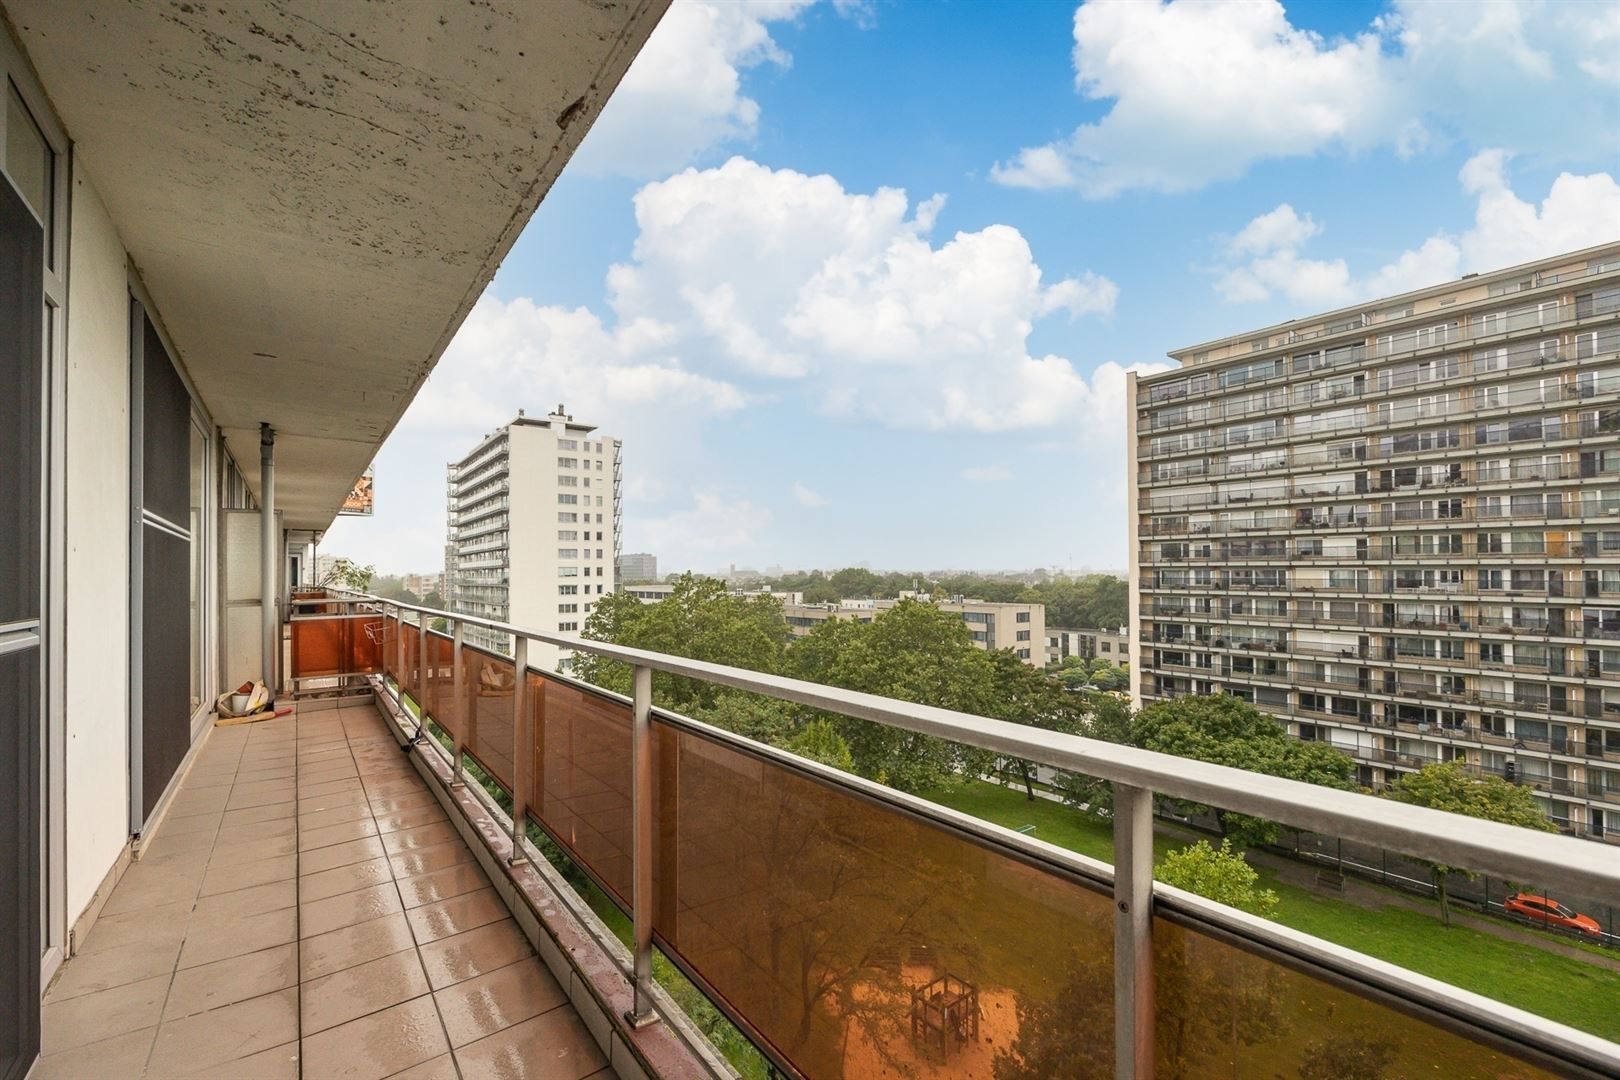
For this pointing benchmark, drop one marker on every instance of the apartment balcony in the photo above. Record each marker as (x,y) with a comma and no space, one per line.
(308,908)
(848,929)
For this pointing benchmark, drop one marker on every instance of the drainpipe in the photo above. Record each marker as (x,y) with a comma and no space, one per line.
(268,548)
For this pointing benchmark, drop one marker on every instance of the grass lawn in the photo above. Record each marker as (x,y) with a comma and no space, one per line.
(1557,987)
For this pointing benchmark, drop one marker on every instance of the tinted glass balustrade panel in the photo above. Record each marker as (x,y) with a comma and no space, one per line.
(1223,1011)
(410,675)
(857,940)
(390,646)
(582,777)
(489,682)
(441,701)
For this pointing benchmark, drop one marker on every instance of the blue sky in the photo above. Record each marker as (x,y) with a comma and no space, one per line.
(858,282)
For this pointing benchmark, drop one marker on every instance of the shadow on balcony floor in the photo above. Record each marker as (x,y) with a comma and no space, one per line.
(307,910)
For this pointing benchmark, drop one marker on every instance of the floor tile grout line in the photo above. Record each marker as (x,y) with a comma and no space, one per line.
(157,1027)
(450,1049)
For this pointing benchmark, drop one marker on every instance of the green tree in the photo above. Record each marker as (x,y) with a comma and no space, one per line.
(348,574)
(1447,786)
(820,592)
(1108,719)
(1107,675)
(819,741)
(1218,874)
(855,581)
(913,652)
(1226,730)
(1021,694)
(701,620)
(753,716)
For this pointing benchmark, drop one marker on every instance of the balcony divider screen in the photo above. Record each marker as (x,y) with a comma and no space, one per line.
(336,645)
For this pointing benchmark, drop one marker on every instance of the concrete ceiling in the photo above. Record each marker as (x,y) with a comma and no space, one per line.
(316,193)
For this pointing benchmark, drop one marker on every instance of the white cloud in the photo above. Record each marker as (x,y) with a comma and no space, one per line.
(777,275)
(712,526)
(1281,228)
(755,286)
(805,497)
(1578,211)
(1200,90)
(986,474)
(683,93)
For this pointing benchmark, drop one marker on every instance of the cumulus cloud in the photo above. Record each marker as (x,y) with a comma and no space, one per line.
(805,497)
(1200,90)
(1266,257)
(683,94)
(775,277)
(747,285)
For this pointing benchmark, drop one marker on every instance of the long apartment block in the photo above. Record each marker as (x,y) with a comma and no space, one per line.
(1396,527)
(533,528)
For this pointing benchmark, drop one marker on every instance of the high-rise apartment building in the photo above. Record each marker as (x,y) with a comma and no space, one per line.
(534,528)
(1396,527)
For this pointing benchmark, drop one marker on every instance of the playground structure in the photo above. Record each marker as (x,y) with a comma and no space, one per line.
(945,1013)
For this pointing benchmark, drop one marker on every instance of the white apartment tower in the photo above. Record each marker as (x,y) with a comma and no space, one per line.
(533,528)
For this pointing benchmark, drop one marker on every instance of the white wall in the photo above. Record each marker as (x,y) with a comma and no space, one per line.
(97,570)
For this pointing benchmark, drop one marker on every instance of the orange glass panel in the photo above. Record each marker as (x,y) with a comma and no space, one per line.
(390,646)
(859,941)
(489,682)
(410,673)
(440,688)
(317,647)
(581,789)
(1223,1011)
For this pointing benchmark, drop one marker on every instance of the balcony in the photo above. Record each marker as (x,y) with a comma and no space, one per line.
(846,928)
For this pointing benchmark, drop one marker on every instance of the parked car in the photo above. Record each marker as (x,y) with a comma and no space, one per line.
(1549,912)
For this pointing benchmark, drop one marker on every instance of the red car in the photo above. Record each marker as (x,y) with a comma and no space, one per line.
(1549,912)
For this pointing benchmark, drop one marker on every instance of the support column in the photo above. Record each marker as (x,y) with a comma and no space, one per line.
(269,560)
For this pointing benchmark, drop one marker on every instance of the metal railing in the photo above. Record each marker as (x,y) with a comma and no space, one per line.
(692,792)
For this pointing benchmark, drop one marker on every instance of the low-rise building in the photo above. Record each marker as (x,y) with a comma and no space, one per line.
(1088,644)
(638,566)
(1019,627)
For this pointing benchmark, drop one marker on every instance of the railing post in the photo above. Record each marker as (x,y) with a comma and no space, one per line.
(1133,933)
(422,677)
(399,653)
(522,743)
(459,713)
(641,1010)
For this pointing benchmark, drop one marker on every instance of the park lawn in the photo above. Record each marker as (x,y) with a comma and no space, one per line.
(1548,984)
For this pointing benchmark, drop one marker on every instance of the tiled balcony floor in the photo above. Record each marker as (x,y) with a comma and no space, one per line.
(307,910)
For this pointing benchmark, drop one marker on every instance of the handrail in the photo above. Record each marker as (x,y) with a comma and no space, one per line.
(1451,839)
